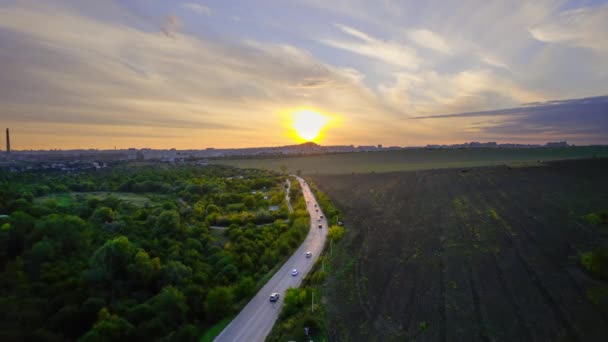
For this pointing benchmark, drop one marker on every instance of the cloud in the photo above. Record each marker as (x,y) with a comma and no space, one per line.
(429,40)
(391,52)
(582,27)
(432,92)
(198,8)
(493,62)
(582,119)
(171,25)
(207,91)
(99,66)
(596,104)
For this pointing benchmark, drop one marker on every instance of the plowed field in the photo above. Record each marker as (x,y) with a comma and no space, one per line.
(482,254)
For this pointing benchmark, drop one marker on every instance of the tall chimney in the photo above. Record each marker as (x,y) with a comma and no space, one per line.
(8,141)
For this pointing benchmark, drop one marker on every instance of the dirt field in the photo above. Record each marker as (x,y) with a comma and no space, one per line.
(486,254)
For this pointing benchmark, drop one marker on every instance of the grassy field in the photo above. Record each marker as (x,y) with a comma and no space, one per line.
(416,159)
(66,198)
(490,254)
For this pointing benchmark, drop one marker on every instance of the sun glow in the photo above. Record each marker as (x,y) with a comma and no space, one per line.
(308,124)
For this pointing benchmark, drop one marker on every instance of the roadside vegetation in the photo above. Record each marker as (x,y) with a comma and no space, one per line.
(301,318)
(595,261)
(152,252)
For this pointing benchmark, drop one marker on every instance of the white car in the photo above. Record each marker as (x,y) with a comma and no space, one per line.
(308,254)
(294,272)
(274,297)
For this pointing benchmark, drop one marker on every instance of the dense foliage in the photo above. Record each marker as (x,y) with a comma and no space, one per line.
(134,252)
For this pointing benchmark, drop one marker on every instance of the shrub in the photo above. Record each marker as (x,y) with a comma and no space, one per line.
(596,263)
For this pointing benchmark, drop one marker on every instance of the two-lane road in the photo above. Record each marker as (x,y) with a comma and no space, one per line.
(255,321)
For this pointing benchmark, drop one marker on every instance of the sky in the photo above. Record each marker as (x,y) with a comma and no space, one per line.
(197,74)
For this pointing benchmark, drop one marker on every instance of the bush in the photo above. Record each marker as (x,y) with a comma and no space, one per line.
(596,219)
(335,233)
(596,263)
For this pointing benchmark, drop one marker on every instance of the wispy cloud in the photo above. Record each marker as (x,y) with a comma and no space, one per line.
(198,8)
(429,40)
(103,66)
(391,52)
(213,91)
(583,118)
(582,27)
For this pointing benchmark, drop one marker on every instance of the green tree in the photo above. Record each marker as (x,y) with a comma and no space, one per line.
(171,307)
(294,300)
(186,333)
(69,233)
(109,328)
(176,273)
(113,258)
(103,215)
(144,269)
(168,221)
(244,288)
(249,202)
(335,233)
(219,302)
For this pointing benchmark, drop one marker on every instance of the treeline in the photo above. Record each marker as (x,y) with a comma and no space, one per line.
(97,268)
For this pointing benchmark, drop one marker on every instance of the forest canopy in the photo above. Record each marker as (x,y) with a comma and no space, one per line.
(138,252)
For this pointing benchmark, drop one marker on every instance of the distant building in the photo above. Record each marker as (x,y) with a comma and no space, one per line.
(558,144)
(139,155)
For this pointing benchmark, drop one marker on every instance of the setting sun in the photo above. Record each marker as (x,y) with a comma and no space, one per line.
(308,124)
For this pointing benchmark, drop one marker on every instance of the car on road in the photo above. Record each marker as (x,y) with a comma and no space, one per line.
(317,210)
(294,272)
(274,297)
(315,205)
(320,226)
(321,216)
(308,254)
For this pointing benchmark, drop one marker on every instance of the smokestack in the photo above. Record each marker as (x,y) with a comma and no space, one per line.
(8,141)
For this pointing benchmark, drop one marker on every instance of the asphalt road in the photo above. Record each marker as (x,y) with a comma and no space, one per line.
(255,321)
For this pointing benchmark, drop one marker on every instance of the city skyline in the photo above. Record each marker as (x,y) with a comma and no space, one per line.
(194,74)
